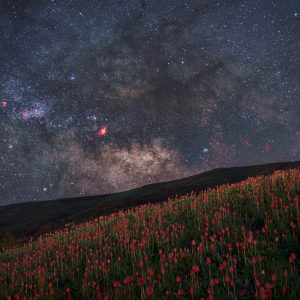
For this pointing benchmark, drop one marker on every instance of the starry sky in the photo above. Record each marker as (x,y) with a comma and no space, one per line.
(102,96)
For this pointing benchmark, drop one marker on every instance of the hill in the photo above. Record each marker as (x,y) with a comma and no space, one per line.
(27,220)
(238,241)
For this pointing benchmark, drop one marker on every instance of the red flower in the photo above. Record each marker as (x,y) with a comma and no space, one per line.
(195,268)
(208,261)
(180,292)
(149,291)
(151,271)
(262,293)
(257,283)
(141,282)
(283,290)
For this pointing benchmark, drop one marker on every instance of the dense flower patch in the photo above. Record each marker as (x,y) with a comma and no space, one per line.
(233,242)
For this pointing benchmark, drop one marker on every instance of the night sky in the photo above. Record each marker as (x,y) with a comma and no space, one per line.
(103,96)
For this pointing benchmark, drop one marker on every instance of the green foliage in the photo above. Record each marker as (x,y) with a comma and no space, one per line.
(7,240)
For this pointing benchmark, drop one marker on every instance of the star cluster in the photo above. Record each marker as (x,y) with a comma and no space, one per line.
(104,96)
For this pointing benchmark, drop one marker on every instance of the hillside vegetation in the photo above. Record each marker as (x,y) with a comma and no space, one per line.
(238,241)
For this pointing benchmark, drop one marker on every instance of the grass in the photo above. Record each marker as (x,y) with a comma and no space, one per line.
(238,241)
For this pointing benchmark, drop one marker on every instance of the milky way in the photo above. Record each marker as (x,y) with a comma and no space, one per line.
(104,96)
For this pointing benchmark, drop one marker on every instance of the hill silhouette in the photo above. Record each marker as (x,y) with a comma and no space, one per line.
(30,219)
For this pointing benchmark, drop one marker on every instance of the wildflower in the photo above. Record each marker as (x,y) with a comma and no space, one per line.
(195,268)
(208,261)
(149,291)
(151,271)
(283,290)
(262,293)
(141,282)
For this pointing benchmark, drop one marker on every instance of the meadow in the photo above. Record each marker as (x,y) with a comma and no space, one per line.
(238,241)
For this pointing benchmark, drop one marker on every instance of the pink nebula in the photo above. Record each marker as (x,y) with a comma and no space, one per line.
(4,103)
(32,113)
(102,131)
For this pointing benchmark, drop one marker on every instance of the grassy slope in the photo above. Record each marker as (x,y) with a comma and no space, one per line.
(31,219)
(239,241)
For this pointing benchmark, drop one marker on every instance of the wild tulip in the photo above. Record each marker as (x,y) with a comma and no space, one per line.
(257,283)
(268,289)
(141,282)
(262,293)
(208,261)
(283,291)
(149,291)
(195,269)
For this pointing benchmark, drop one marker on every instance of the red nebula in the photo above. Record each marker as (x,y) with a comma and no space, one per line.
(245,141)
(102,131)
(267,147)
(4,103)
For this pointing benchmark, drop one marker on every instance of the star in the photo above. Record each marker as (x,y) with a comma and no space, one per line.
(72,77)
(205,150)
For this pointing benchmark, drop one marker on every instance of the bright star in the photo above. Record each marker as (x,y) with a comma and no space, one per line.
(205,150)
(72,77)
